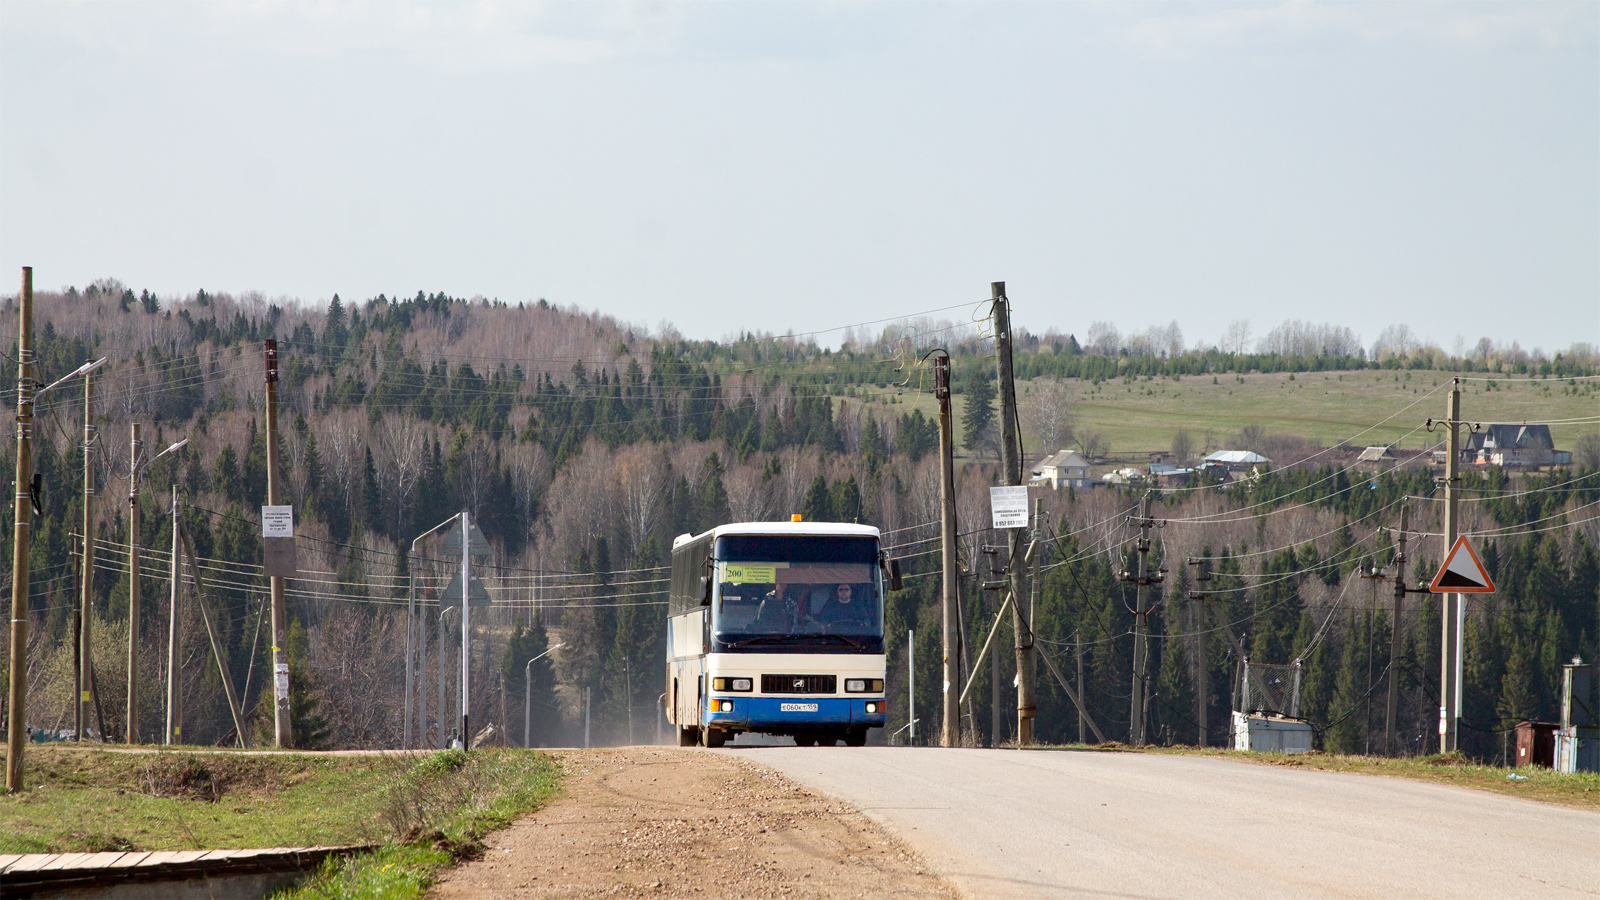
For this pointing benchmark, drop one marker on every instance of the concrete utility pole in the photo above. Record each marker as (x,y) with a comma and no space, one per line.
(422,676)
(86,583)
(1011,473)
(174,732)
(1202,674)
(527,698)
(135,466)
(1392,708)
(466,622)
(17,699)
(411,646)
(911,685)
(950,734)
(417,648)
(1450,646)
(132,730)
(1141,651)
(282,715)
(444,668)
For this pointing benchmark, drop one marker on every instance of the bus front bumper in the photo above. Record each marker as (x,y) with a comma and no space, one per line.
(781,713)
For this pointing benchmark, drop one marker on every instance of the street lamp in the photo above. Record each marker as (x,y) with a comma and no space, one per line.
(413,645)
(16,734)
(135,467)
(527,695)
(79,372)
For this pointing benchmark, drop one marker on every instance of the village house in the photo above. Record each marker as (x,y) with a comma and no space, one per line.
(1168,475)
(1377,459)
(1514,446)
(1064,469)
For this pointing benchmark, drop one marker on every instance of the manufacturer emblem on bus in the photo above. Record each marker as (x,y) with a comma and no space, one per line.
(799,684)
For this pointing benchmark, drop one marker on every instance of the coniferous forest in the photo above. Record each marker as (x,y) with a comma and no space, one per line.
(582,446)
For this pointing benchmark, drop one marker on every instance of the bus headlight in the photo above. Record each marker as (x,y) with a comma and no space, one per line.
(731,684)
(877,706)
(722,706)
(863,685)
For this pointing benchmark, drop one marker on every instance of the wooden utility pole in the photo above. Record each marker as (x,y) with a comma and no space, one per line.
(132,730)
(1141,650)
(1011,473)
(174,731)
(1392,708)
(282,719)
(17,696)
(950,733)
(1450,647)
(86,583)
(1077,650)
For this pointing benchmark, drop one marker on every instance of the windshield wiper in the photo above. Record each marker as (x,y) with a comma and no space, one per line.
(788,638)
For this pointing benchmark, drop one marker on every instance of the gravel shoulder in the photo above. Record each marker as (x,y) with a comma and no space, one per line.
(671,822)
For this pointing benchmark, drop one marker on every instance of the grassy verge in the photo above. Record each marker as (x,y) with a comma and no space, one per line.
(1580,790)
(425,811)
(1531,782)
(443,805)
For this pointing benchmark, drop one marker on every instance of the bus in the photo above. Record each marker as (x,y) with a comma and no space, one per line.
(777,628)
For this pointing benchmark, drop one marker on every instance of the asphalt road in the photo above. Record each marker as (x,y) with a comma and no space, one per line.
(1006,823)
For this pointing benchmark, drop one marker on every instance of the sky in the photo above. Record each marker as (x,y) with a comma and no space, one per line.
(776,166)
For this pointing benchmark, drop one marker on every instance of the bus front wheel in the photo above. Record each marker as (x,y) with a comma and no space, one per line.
(855,737)
(713,738)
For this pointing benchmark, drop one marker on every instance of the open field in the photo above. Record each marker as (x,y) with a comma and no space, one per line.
(81,799)
(1324,408)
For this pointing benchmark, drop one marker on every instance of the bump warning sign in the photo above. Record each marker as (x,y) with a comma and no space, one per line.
(1462,572)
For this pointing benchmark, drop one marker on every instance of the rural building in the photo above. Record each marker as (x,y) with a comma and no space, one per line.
(1064,469)
(1377,459)
(1167,475)
(1239,461)
(1514,446)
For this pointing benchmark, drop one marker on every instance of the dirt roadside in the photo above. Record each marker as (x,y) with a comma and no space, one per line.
(669,822)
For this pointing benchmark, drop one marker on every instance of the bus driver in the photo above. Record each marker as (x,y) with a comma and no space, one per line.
(843,609)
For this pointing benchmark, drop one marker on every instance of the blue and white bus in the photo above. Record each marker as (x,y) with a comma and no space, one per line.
(777,628)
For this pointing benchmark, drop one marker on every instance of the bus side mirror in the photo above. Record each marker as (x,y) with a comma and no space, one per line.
(894,575)
(705,590)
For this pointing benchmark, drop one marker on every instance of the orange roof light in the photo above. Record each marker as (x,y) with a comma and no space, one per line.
(795,517)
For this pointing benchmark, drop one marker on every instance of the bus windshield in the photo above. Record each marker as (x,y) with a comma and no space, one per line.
(797,594)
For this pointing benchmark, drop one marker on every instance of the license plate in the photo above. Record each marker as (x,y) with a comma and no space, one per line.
(797,707)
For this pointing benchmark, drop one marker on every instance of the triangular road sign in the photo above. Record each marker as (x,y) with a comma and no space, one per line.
(1462,572)
(479,547)
(451,595)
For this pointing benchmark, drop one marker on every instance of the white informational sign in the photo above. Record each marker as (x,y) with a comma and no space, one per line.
(1009,506)
(277,521)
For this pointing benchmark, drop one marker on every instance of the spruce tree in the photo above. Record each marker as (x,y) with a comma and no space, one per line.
(977,416)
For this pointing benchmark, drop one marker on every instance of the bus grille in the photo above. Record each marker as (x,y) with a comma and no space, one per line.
(799,684)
